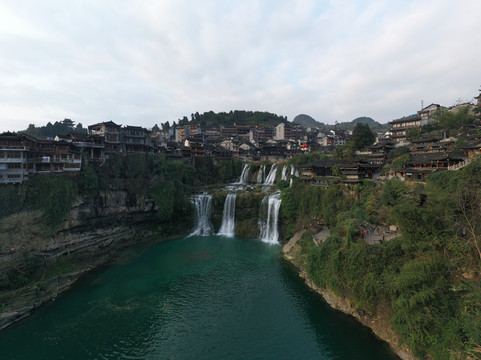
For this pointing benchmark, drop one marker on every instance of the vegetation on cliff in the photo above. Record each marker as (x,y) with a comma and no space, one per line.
(33,211)
(427,280)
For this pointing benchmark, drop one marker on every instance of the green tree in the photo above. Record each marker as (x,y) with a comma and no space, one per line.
(401,161)
(413,134)
(451,121)
(362,136)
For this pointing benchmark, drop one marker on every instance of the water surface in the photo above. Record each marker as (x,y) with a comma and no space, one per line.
(193,298)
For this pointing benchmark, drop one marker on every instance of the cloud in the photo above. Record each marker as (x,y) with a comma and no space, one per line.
(147,62)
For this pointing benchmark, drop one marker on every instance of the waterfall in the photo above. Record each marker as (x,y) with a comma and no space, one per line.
(202,204)
(272,175)
(260,174)
(268,229)
(228,216)
(294,171)
(244,178)
(285,172)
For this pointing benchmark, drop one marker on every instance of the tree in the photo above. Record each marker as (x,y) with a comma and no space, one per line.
(413,134)
(401,161)
(362,136)
(450,120)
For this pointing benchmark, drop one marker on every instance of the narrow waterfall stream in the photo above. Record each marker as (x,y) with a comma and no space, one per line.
(269,231)
(202,205)
(228,217)
(272,176)
(260,174)
(244,177)
(285,172)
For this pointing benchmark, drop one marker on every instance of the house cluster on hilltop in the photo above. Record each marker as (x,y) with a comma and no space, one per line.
(22,155)
(424,156)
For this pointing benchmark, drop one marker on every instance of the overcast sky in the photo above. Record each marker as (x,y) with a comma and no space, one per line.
(151,61)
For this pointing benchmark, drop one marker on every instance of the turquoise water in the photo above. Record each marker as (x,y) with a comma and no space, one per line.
(192,298)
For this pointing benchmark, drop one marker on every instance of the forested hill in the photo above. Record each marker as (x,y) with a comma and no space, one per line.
(308,121)
(251,118)
(51,130)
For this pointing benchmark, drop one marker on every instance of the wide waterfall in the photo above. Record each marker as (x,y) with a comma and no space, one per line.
(244,178)
(260,174)
(272,176)
(268,229)
(203,205)
(228,217)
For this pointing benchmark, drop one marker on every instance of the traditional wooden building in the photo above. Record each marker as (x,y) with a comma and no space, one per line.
(135,139)
(110,131)
(16,157)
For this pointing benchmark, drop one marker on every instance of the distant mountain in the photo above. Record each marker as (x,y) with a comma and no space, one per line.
(366,120)
(374,125)
(306,121)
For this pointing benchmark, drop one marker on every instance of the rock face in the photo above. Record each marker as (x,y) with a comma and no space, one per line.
(91,235)
(247,213)
(379,324)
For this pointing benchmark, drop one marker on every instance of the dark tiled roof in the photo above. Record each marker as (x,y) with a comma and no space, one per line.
(406,119)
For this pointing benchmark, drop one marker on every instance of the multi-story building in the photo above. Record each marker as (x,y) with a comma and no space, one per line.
(181,133)
(22,156)
(16,161)
(92,146)
(428,112)
(135,139)
(287,131)
(399,127)
(110,131)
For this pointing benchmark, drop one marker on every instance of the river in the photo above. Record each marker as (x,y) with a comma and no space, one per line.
(209,297)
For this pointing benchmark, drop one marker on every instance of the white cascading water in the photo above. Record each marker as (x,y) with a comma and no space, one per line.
(285,172)
(244,178)
(269,232)
(294,171)
(228,217)
(202,205)
(272,176)
(260,174)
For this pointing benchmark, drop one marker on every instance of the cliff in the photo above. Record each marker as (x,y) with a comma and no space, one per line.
(379,324)
(37,263)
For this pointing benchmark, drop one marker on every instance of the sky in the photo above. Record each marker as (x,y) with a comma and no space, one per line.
(151,61)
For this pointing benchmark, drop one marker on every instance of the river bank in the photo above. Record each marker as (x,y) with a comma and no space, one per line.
(379,324)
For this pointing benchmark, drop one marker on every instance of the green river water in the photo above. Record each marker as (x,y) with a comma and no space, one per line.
(193,298)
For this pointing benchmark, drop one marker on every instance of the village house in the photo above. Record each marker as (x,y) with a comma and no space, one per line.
(22,156)
(420,166)
(348,171)
(110,132)
(379,152)
(135,139)
(400,127)
(91,146)
(16,157)
(430,145)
